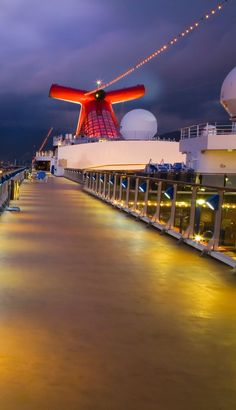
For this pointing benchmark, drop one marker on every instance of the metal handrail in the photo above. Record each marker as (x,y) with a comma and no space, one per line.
(207,129)
(82,172)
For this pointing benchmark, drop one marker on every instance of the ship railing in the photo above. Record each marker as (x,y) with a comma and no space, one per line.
(200,215)
(10,181)
(207,129)
(44,154)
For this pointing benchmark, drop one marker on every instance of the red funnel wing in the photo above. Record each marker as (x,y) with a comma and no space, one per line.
(125,94)
(68,94)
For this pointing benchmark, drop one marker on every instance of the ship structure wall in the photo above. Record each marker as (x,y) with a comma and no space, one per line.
(119,154)
(213,161)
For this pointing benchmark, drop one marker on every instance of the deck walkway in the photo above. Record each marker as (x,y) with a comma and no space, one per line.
(99,312)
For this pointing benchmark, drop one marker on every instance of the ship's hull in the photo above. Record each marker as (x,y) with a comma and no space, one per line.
(117,155)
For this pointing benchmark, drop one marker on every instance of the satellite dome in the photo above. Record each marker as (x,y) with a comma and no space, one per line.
(138,124)
(228,93)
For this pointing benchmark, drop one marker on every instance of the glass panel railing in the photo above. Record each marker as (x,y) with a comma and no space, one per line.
(166,201)
(183,208)
(152,199)
(206,206)
(227,241)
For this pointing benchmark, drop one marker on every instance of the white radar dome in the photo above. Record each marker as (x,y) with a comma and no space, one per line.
(138,124)
(228,94)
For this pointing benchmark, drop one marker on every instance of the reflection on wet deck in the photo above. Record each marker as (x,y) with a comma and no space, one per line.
(99,312)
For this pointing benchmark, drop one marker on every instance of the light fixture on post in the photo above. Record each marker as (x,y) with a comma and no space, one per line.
(111,180)
(99,83)
(124,183)
(213,202)
(169,192)
(143,187)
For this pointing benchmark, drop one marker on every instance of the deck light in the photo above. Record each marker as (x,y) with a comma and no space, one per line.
(198,238)
(102,178)
(111,180)
(169,193)
(213,202)
(124,183)
(200,201)
(99,83)
(143,187)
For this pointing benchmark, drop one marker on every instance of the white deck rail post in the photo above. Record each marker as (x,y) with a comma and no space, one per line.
(114,188)
(104,185)
(156,216)
(97,181)
(189,233)
(120,188)
(86,180)
(127,193)
(171,223)
(146,197)
(109,187)
(214,241)
(136,194)
(94,182)
(90,180)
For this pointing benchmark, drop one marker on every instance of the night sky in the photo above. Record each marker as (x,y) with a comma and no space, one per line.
(75,42)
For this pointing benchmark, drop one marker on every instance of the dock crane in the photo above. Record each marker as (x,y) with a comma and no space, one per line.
(43,143)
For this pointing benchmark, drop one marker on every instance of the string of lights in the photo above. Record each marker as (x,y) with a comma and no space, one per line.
(187,31)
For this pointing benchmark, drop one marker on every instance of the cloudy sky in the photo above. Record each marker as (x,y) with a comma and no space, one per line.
(75,42)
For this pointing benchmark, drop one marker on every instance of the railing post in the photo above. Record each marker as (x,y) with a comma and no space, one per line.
(146,198)
(114,188)
(91,181)
(94,182)
(127,193)
(86,181)
(136,194)
(104,185)
(214,241)
(109,187)
(156,216)
(189,233)
(120,190)
(97,181)
(170,224)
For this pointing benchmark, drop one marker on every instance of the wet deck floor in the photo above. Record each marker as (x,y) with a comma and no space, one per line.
(97,312)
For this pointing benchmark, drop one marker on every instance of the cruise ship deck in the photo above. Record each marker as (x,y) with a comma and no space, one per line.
(98,312)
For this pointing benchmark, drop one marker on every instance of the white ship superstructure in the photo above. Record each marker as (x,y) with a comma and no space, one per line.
(208,149)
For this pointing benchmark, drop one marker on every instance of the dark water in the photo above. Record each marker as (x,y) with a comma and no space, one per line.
(99,312)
